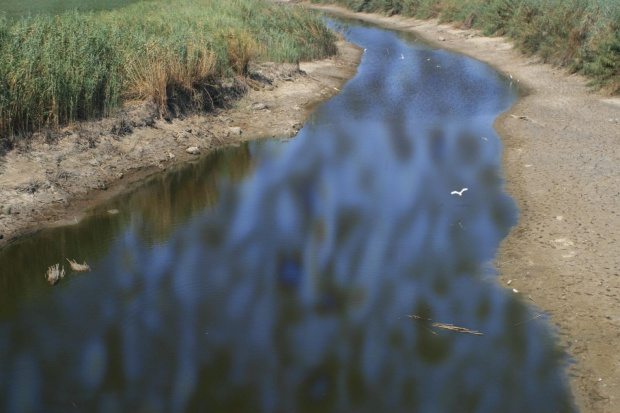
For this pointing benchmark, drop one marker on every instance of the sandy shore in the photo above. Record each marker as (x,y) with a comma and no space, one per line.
(58,176)
(562,165)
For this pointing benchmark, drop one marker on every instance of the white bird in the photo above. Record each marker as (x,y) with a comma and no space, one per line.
(459,193)
(483,138)
(401,56)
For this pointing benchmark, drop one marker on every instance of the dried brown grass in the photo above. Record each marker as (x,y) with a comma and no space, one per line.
(78,267)
(241,50)
(54,274)
(160,74)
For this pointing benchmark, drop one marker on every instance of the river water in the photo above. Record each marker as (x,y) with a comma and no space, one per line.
(278,276)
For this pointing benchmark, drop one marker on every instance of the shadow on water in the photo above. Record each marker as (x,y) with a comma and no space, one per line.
(290,293)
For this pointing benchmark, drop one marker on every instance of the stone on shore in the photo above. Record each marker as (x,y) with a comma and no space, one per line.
(235,131)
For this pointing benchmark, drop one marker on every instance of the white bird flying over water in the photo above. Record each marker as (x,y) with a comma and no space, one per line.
(459,193)
(402,56)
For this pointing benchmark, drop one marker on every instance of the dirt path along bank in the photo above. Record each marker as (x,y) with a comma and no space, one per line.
(562,165)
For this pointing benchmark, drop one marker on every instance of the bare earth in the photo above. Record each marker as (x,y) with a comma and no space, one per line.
(54,180)
(562,165)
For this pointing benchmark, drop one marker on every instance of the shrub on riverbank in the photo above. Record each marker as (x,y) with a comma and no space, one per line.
(580,35)
(57,69)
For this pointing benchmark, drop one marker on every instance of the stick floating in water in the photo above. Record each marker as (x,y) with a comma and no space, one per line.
(459,193)
(449,327)
(78,267)
(54,274)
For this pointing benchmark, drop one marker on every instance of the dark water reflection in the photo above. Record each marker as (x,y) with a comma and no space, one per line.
(289,294)
(152,212)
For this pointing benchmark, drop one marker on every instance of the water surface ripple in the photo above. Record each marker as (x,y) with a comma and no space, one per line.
(288,290)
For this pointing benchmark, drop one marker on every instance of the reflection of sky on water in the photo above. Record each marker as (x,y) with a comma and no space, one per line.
(291,294)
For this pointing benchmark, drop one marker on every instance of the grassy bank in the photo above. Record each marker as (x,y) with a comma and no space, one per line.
(56,69)
(580,35)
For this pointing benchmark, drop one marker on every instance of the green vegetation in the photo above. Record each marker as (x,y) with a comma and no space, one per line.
(57,69)
(580,35)
(22,7)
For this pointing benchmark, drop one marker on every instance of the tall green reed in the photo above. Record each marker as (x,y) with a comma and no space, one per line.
(57,69)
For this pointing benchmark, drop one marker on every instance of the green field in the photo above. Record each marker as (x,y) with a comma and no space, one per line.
(24,7)
(581,35)
(55,69)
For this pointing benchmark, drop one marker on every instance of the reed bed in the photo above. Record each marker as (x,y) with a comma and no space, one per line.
(579,35)
(72,66)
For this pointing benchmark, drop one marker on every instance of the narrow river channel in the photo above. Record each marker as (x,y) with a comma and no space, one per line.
(278,276)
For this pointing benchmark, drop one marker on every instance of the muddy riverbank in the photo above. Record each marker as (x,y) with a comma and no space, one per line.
(561,157)
(58,176)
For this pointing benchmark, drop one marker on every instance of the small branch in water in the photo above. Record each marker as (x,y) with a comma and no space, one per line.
(54,274)
(449,327)
(417,317)
(78,267)
(457,329)
(527,321)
